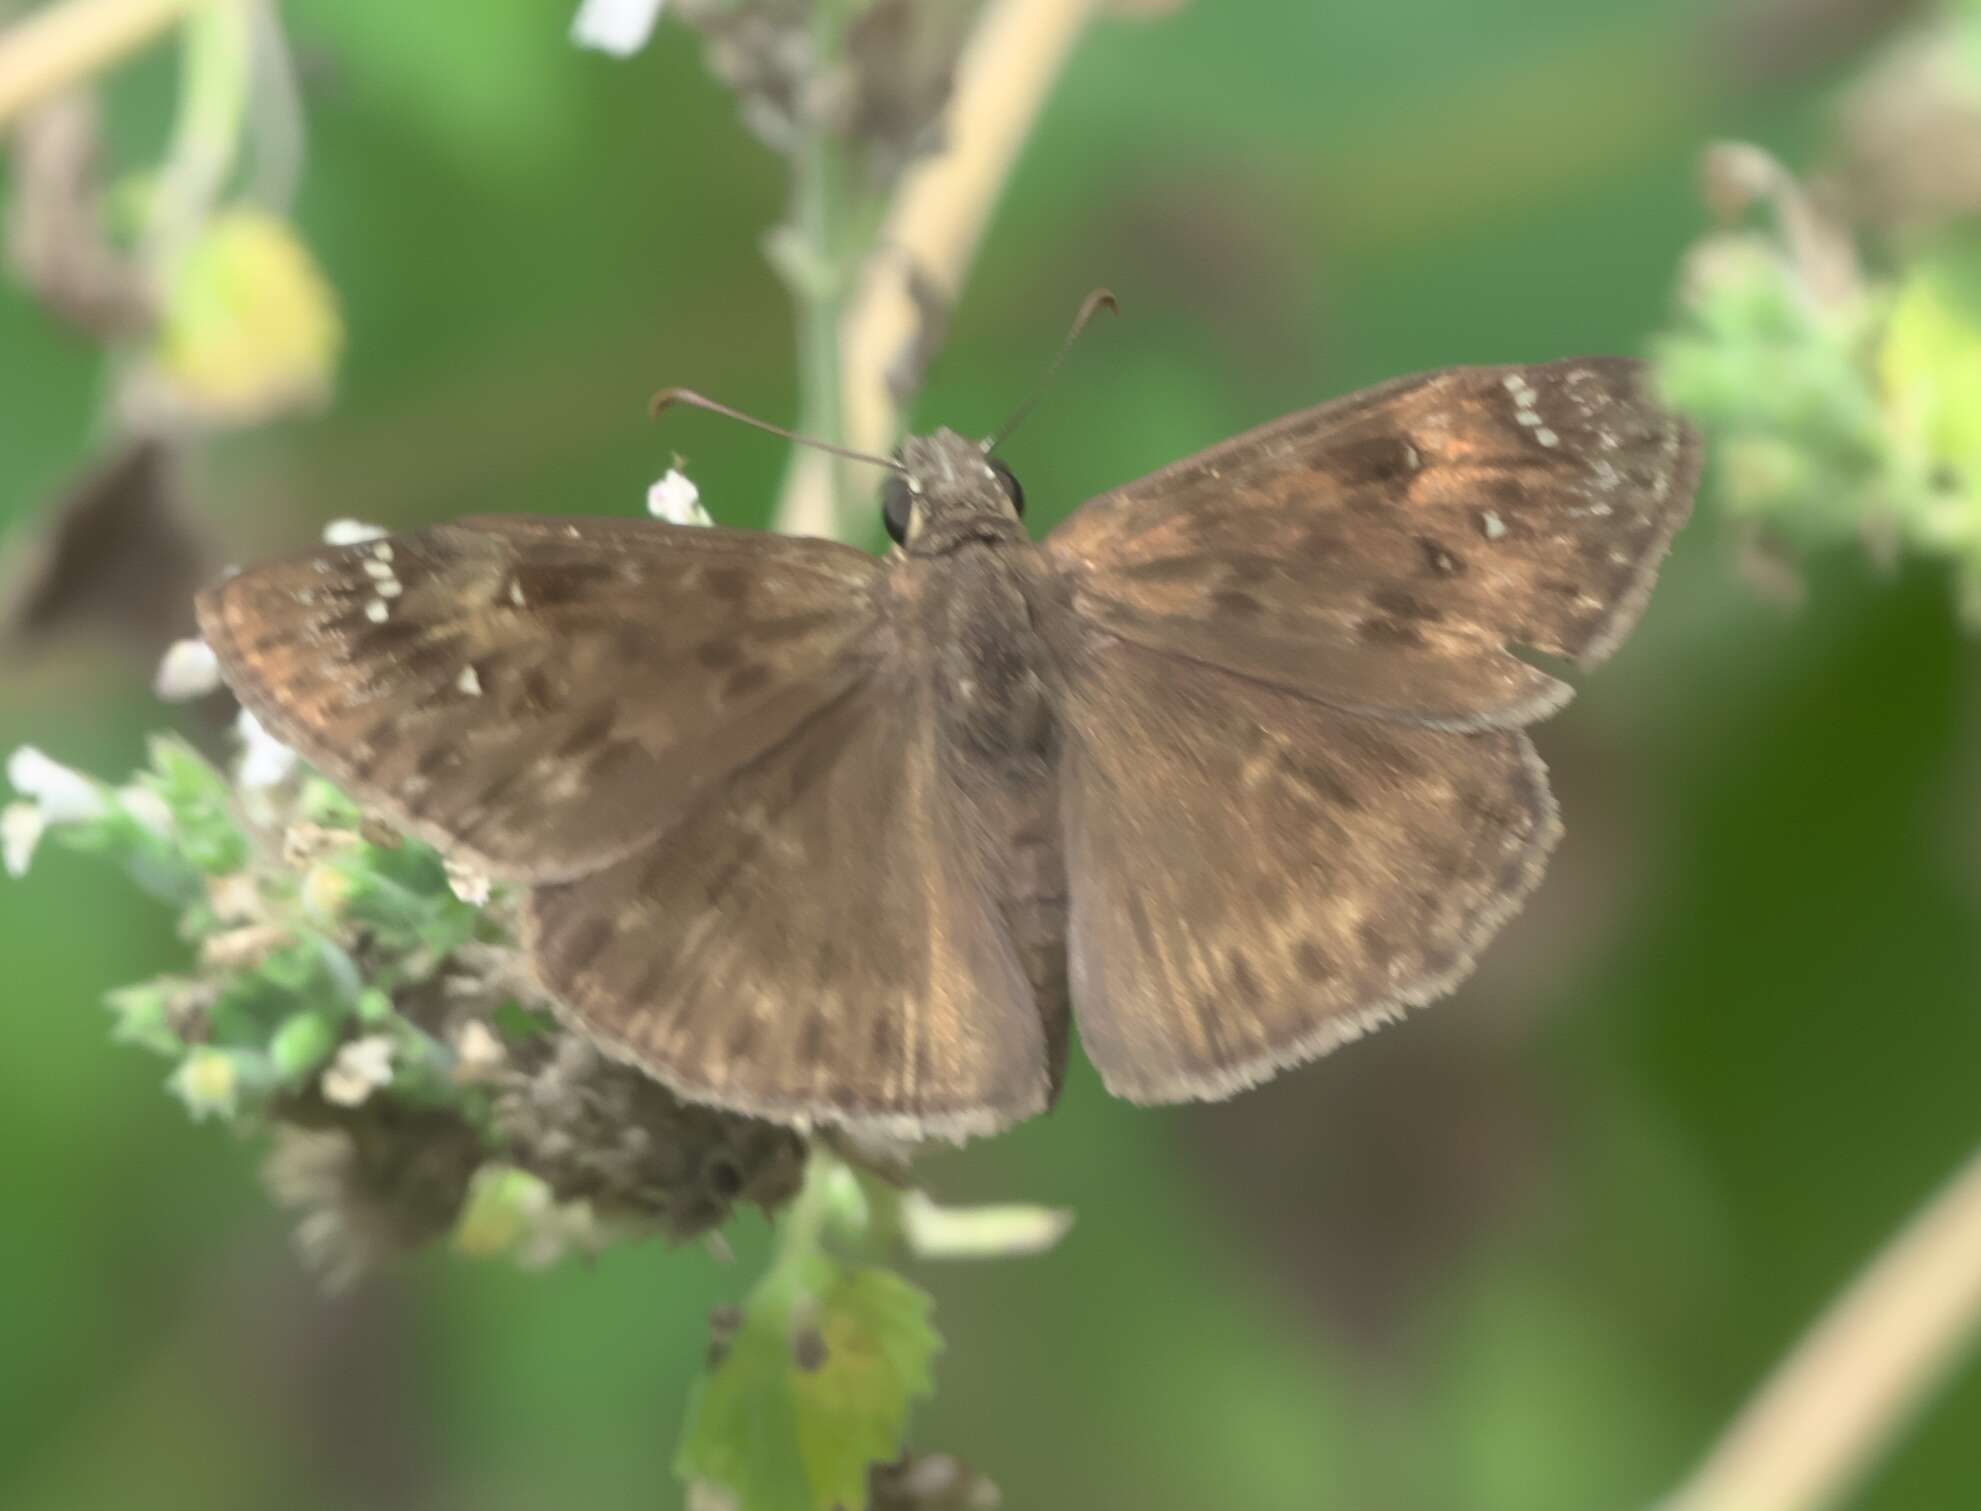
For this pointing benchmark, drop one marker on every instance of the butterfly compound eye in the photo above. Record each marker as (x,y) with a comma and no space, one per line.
(896,504)
(1013,489)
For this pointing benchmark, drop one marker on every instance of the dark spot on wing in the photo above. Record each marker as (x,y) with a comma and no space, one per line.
(1439,561)
(555,584)
(580,944)
(732,583)
(1166,569)
(1313,960)
(538,690)
(1321,779)
(1378,630)
(1439,964)
(590,735)
(744,681)
(718,654)
(1237,605)
(884,1039)
(1371,464)
(1245,983)
(1376,945)
(1404,604)
(811,1039)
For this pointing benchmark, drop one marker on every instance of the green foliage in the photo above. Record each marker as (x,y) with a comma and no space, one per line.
(1784,387)
(813,1387)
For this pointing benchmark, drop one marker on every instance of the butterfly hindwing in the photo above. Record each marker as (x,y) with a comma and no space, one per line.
(1256,878)
(828,937)
(1382,553)
(538,697)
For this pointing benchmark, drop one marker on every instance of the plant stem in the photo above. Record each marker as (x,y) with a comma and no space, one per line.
(206,133)
(63,45)
(1837,1401)
(817,254)
(1003,80)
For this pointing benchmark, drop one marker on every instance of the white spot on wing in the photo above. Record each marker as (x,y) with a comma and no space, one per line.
(468,682)
(377,610)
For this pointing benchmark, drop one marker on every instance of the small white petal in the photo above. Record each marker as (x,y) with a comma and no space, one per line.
(935,1232)
(21,826)
(468,884)
(361,1067)
(620,27)
(480,1052)
(677,500)
(350,532)
(64,796)
(148,808)
(189,670)
(265,760)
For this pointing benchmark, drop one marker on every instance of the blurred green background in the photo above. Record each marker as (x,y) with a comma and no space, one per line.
(1529,1250)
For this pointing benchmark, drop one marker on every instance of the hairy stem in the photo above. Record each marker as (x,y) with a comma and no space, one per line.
(932,226)
(816,255)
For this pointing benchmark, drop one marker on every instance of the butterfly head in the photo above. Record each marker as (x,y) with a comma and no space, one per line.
(950,491)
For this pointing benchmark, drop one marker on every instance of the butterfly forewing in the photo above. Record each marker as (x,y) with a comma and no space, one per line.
(541,697)
(1383,553)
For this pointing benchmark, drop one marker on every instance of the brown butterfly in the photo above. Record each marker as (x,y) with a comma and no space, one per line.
(1230,766)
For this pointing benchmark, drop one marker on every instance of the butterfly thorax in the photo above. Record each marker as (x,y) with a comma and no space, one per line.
(971,609)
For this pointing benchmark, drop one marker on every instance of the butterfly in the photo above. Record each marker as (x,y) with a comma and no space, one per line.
(1228,768)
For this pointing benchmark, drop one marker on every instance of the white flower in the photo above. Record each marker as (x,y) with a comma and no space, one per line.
(677,500)
(207,1081)
(148,808)
(479,1053)
(265,760)
(350,532)
(361,1067)
(63,796)
(620,27)
(189,670)
(468,884)
(20,831)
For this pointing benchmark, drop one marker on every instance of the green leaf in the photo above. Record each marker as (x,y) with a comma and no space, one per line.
(1931,359)
(782,1437)
(303,1042)
(143,1016)
(853,1409)
(743,1422)
(202,806)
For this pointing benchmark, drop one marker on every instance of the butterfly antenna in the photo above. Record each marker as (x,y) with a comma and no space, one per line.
(667,398)
(1091,306)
